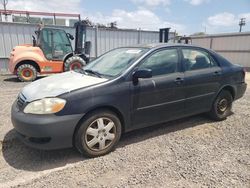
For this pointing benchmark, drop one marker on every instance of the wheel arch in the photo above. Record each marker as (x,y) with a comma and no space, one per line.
(105,107)
(67,56)
(229,88)
(30,62)
(84,57)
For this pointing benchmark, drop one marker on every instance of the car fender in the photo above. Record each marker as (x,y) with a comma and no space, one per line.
(29,55)
(221,88)
(32,56)
(67,56)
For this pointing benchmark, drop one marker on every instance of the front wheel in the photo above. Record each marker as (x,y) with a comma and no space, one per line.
(98,134)
(26,73)
(74,63)
(222,106)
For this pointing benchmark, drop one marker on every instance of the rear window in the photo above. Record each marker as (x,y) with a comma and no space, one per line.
(197,59)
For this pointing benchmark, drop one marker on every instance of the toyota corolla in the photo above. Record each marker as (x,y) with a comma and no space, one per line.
(125,89)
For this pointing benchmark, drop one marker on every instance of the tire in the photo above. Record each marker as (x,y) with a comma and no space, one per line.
(98,134)
(74,63)
(222,106)
(26,73)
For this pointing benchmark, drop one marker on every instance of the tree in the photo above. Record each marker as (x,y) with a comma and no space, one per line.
(198,34)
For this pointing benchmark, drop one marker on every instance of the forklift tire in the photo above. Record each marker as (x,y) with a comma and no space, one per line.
(74,63)
(26,73)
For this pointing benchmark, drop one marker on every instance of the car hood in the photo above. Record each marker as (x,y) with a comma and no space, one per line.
(58,84)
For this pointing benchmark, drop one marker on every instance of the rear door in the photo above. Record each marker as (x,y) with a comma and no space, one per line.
(161,97)
(202,79)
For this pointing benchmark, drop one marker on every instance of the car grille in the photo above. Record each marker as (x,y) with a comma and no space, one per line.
(20,100)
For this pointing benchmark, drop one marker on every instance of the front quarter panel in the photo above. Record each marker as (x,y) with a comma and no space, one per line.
(114,95)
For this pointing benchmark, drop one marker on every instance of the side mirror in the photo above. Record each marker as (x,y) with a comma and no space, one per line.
(70,36)
(87,47)
(33,40)
(142,73)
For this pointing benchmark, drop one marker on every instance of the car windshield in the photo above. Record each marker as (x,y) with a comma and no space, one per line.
(114,62)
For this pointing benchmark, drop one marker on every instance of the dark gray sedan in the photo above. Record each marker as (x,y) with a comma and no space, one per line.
(122,90)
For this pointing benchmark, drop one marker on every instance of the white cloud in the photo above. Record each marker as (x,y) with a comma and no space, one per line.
(245,15)
(65,6)
(154,3)
(222,19)
(197,2)
(225,22)
(151,3)
(141,18)
(227,19)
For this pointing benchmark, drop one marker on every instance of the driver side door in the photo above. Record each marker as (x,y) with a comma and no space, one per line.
(160,98)
(54,45)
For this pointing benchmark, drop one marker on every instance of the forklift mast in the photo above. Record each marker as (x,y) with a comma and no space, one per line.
(164,35)
(79,36)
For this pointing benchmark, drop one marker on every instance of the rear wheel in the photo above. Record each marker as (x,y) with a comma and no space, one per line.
(222,106)
(74,63)
(98,134)
(26,73)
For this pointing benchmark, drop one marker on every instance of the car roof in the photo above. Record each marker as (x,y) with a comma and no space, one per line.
(160,45)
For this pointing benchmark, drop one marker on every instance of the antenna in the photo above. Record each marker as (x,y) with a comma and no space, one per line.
(242,23)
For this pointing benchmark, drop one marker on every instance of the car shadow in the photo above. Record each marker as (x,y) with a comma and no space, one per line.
(11,79)
(20,156)
(164,128)
(15,79)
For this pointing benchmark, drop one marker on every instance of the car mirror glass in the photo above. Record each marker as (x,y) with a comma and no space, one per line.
(142,73)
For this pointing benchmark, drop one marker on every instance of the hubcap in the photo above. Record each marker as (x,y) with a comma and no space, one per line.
(222,105)
(100,134)
(27,73)
(75,66)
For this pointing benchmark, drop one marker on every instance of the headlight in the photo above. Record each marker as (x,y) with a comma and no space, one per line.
(45,106)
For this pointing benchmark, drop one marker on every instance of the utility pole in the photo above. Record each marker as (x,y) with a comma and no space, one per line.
(5,2)
(242,23)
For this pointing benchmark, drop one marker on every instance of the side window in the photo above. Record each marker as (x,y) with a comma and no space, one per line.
(46,43)
(62,44)
(162,62)
(196,59)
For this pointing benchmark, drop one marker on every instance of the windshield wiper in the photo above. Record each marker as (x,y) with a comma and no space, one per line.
(93,72)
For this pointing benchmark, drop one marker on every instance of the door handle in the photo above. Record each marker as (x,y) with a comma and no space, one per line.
(216,73)
(179,80)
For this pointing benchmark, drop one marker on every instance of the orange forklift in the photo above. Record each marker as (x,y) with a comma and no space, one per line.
(50,53)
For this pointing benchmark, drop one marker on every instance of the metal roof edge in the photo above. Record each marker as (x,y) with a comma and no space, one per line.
(222,35)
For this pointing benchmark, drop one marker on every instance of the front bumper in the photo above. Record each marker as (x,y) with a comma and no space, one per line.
(44,131)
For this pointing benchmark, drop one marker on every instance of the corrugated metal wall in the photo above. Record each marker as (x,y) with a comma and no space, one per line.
(105,39)
(102,39)
(235,46)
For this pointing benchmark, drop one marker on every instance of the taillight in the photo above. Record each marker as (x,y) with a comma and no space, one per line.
(244,73)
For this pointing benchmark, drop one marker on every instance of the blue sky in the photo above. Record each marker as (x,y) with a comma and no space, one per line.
(184,16)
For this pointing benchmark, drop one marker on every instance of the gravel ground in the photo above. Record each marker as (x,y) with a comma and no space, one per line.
(191,152)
